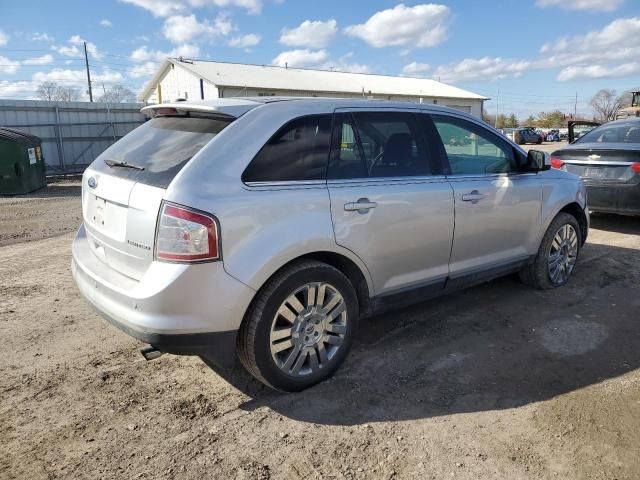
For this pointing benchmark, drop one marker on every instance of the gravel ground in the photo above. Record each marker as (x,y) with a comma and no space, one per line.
(498,381)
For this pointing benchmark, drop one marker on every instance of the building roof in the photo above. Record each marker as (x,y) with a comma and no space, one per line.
(280,78)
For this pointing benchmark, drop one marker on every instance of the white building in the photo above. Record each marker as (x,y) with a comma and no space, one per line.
(198,79)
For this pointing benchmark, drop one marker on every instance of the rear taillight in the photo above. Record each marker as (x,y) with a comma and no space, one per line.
(635,166)
(556,162)
(184,235)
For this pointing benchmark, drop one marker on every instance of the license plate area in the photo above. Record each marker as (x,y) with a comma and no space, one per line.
(108,218)
(594,172)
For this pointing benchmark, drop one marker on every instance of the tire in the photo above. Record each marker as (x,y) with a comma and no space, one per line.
(539,274)
(276,327)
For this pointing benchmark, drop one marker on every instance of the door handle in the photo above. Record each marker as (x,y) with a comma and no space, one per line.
(363,205)
(473,197)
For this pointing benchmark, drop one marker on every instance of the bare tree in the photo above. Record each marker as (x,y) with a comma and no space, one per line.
(118,94)
(47,91)
(67,94)
(52,92)
(605,104)
(625,98)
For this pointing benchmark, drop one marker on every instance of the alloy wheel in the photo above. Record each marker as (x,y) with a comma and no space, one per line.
(563,254)
(308,329)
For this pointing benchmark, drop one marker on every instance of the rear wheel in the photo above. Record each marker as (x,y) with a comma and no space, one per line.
(300,326)
(557,255)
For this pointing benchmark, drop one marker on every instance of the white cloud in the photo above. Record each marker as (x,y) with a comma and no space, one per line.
(419,26)
(619,40)
(41,37)
(42,60)
(182,28)
(143,70)
(252,6)
(477,69)
(105,22)
(301,58)
(143,54)
(598,71)
(245,41)
(589,5)
(159,8)
(8,67)
(91,47)
(311,34)
(165,8)
(344,64)
(76,47)
(76,77)
(318,59)
(610,52)
(22,89)
(414,68)
(67,51)
(4,38)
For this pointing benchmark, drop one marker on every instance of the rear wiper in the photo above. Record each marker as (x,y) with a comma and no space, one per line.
(116,163)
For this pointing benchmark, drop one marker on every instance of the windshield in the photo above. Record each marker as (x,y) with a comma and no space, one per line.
(618,133)
(161,146)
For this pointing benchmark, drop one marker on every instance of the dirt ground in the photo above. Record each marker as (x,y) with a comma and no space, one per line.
(498,381)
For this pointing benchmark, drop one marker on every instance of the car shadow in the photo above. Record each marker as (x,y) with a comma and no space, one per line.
(495,346)
(616,223)
(51,190)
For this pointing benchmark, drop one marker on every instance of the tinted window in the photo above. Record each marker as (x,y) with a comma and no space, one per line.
(162,146)
(624,133)
(471,149)
(377,144)
(298,151)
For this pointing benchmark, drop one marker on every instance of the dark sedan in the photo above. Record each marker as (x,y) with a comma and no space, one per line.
(608,160)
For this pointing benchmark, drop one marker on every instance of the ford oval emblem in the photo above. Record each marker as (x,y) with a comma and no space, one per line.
(93,183)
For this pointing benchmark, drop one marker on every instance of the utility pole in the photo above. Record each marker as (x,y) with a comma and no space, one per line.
(495,124)
(575,107)
(86,61)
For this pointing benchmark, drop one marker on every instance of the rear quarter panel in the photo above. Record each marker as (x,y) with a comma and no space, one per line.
(262,228)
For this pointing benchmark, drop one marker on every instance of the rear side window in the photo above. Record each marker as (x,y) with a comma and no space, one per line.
(377,144)
(298,151)
(162,146)
(625,133)
(472,149)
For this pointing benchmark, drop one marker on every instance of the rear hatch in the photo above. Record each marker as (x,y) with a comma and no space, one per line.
(123,188)
(599,165)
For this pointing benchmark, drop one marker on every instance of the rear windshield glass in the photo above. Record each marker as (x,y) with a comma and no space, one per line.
(624,133)
(162,146)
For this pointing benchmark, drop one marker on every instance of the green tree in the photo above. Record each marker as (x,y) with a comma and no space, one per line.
(501,121)
(530,121)
(511,121)
(554,119)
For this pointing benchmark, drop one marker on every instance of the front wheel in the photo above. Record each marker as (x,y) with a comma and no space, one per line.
(557,255)
(300,326)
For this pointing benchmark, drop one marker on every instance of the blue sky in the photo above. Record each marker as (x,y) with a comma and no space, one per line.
(537,53)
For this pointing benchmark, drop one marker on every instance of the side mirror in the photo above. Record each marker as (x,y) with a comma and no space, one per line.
(537,161)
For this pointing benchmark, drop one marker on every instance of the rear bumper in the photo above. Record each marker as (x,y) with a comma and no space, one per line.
(181,309)
(615,198)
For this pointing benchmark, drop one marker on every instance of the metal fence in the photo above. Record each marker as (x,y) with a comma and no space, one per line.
(73,134)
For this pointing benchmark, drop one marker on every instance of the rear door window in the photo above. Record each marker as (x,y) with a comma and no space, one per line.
(377,144)
(161,146)
(298,151)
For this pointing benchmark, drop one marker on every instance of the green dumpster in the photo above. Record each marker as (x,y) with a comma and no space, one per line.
(22,167)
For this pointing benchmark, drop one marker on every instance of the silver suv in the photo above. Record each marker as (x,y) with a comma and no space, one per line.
(264,229)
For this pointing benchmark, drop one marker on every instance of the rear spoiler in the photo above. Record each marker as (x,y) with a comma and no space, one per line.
(226,108)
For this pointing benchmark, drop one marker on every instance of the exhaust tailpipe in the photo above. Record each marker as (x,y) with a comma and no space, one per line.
(149,352)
